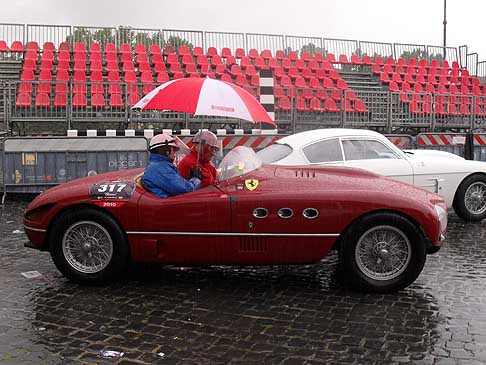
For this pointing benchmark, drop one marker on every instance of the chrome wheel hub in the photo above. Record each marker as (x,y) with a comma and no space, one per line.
(87,247)
(475,198)
(383,253)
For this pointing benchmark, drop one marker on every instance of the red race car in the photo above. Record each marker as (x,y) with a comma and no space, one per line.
(256,215)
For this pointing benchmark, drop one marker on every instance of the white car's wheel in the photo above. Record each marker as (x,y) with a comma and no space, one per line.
(383,252)
(470,199)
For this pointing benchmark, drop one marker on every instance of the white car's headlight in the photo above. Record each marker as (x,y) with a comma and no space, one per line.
(442,214)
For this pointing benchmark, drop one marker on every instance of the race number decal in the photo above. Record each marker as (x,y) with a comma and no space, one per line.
(112,190)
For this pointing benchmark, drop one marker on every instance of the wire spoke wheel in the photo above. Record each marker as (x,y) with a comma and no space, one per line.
(87,247)
(475,198)
(383,253)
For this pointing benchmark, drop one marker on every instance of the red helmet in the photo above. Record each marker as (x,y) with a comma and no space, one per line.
(207,137)
(161,140)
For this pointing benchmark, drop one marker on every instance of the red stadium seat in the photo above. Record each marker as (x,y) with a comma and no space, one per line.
(25,87)
(212,51)
(79,66)
(125,48)
(155,49)
(128,66)
(359,106)
(42,100)
(44,87)
(30,65)
(239,52)
(284,104)
(63,56)
(63,66)
(79,100)
(226,52)
(94,47)
(140,49)
(162,77)
(113,76)
(116,101)
(3,46)
(79,47)
(187,60)
(27,75)
(184,50)
(253,53)
(60,100)
(330,58)
(45,75)
(97,88)
(112,66)
(331,106)
(23,100)
(343,59)
(111,57)
(98,100)
(17,46)
(315,105)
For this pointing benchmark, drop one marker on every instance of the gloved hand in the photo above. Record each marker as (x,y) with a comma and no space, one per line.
(195,172)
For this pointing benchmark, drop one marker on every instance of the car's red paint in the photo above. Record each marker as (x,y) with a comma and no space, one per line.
(341,195)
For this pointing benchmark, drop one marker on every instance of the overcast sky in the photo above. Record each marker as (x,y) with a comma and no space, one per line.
(410,21)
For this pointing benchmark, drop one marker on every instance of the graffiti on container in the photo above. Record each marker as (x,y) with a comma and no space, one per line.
(125,162)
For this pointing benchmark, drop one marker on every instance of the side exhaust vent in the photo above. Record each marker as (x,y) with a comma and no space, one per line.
(253,244)
(305,173)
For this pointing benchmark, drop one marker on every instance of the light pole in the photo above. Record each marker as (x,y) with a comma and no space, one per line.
(445,27)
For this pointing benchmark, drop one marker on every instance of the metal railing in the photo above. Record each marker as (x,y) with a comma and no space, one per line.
(192,38)
(296,109)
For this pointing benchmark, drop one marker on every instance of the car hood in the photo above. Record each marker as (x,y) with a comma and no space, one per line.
(444,162)
(432,154)
(345,179)
(78,189)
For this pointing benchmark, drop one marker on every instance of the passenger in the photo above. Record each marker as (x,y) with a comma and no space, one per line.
(204,146)
(161,176)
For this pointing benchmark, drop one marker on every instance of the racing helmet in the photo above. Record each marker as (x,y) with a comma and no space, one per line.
(207,137)
(162,140)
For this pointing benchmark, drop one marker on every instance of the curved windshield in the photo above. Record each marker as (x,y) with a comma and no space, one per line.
(237,162)
(274,152)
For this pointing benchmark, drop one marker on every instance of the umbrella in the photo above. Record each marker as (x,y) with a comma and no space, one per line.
(205,96)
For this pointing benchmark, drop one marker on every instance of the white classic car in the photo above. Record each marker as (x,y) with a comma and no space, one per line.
(461,182)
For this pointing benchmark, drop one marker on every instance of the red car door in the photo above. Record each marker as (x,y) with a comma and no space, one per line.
(185,229)
(269,225)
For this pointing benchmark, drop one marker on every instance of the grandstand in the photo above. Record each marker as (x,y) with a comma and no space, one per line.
(56,78)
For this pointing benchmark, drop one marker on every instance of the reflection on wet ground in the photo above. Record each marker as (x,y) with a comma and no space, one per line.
(272,315)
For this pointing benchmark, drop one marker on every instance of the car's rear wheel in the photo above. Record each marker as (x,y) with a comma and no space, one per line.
(88,246)
(470,199)
(383,252)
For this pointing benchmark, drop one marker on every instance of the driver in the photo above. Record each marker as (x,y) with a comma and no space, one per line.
(198,161)
(161,176)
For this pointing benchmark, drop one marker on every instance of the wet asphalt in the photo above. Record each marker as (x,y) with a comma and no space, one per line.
(234,315)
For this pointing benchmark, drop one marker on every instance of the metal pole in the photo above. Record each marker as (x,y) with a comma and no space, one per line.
(445,28)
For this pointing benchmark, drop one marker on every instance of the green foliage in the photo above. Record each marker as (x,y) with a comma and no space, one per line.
(124,34)
(312,49)
(416,53)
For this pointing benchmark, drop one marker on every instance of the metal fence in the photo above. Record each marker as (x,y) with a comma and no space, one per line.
(108,105)
(176,37)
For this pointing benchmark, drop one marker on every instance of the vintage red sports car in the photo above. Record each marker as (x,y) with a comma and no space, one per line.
(256,215)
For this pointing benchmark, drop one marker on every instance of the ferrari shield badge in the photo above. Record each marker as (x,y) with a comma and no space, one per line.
(251,184)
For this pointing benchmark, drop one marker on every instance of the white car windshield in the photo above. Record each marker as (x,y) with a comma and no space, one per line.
(237,162)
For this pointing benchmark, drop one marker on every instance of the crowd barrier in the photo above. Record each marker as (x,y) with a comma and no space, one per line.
(449,142)
(33,164)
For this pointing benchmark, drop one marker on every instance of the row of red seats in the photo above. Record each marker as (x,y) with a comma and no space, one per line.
(464,80)
(446,109)
(315,104)
(43,100)
(431,88)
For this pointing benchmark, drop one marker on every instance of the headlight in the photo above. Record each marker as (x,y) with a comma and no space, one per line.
(442,214)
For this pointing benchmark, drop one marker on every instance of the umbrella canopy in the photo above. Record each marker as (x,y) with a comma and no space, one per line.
(205,96)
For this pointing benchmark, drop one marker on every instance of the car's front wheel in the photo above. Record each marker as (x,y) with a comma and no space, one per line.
(88,246)
(470,199)
(383,252)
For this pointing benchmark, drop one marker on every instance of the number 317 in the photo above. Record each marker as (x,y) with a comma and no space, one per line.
(111,188)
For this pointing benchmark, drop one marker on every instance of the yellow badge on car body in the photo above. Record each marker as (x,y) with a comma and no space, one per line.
(251,184)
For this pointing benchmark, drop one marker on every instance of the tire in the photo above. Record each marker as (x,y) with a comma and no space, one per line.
(470,199)
(88,246)
(375,242)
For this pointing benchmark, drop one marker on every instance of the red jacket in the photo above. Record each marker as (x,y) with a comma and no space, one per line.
(207,168)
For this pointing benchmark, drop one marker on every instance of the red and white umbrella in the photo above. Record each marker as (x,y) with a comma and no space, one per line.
(205,96)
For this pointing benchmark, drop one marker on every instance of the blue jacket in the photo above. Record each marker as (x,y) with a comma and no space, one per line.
(162,178)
